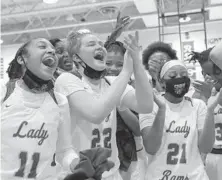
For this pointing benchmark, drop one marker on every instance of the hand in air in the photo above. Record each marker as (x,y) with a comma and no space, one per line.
(214,100)
(132,46)
(121,24)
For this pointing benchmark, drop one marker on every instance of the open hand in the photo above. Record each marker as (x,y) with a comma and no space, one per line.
(159,99)
(132,45)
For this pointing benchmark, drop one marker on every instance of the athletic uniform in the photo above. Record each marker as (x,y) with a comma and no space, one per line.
(214,159)
(178,156)
(32,130)
(138,168)
(86,134)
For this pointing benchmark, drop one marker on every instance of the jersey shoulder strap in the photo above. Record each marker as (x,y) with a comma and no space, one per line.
(10,86)
(107,81)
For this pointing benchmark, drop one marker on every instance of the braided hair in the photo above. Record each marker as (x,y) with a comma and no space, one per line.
(15,70)
(201,57)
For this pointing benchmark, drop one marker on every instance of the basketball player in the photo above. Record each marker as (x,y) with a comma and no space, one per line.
(93,101)
(134,168)
(65,62)
(178,129)
(213,160)
(35,121)
(154,57)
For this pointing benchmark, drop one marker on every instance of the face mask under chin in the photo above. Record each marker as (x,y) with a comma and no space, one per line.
(90,72)
(35,83)
(178,87)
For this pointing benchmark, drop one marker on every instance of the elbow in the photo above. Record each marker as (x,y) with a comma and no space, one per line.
(151,147)
(152,150)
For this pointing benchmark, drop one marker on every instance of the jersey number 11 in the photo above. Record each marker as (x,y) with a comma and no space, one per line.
(23,157)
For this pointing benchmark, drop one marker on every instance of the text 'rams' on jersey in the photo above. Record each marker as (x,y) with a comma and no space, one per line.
(29,128)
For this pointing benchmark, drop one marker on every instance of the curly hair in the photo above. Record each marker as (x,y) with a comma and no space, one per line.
(116,46)
(155,47)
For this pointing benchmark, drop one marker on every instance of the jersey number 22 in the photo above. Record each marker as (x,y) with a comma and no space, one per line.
(107,133)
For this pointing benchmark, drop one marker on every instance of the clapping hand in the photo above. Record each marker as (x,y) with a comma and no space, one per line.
(159,99)
(132,46)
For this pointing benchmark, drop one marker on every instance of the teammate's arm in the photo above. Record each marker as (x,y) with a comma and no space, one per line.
(207,132)
(131,121)
(65,153)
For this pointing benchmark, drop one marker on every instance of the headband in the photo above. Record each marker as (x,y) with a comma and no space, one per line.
(169,65)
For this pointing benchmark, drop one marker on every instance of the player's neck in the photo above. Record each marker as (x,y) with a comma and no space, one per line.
(94,82)
(173,99)
(22,85)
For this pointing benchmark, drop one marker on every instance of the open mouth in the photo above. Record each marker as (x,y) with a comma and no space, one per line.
(49,62)
(99,56)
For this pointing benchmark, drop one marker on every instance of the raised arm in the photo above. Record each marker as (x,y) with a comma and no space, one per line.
(89,107)
(141,100)
(152,127)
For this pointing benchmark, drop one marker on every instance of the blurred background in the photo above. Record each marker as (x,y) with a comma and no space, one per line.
(185,24)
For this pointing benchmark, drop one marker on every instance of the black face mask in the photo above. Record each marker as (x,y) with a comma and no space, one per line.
(173,86)
(90,72)
(35,83)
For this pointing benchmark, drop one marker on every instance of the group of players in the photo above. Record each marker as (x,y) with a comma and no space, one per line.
(107,118)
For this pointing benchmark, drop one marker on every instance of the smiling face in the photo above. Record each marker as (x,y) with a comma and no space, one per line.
(65,62)
(41,59)
(114,63)
(92,52)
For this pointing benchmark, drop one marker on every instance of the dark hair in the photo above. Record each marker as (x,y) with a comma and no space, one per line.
(116,46)
(54,41)
(15,70)
(201,57)
(155,47)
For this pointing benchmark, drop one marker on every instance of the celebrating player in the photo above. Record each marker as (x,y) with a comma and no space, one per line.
(154,57)
(129,141)
(178,129)
(93,101)
(35,121)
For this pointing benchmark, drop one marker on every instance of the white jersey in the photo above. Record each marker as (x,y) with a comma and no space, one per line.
(179,155)
(29,133)
(86,134)
(218,127)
